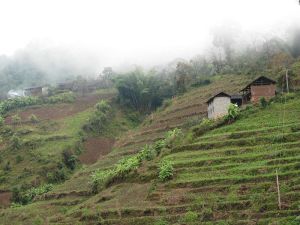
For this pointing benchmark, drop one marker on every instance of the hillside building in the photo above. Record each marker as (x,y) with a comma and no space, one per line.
(65,86)
(34,91)
(260,87)
(218,105)
(15,94)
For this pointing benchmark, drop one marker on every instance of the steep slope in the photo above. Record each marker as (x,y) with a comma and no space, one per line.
(192,105)
(226,176)
(182,111)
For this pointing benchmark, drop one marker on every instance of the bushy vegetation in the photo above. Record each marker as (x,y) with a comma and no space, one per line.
(100,118)
(165,170)
(173,137)
(33,118)
(69,159)
(263,102)
(189,217)
(66,97)
(102,178)
(1,121)
(16,103)
(10,104)
(21,196)
(16,119)
(15,142)
(233,113)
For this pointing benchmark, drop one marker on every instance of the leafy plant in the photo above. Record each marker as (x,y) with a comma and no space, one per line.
(7,166)
(19,159)
(69,159)
(159,145)
(161,222)
(22,196)
(16,119)
(15,142)
(233,112)
(189,217)
(1,121)
(98,121)
(67,97)
(33,118)
(147,153)
(165,171)
(173,137)
(263,102)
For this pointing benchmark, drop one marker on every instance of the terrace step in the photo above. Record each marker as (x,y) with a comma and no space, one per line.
(244,133)
(242,142)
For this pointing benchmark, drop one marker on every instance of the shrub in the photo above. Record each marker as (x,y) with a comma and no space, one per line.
(233,112)
(263,102)
(69,159)
(147,153)
(1,121)
(161,222)
(100,179)
(159,145)
(173,137)
(7,166)
(165,171)
(67,97)
(103,106)
(15,103)
(99,119)
(190,217)
(33,118)
(15,142)
(57,175)
(16,119)
(22,196)
(19,159)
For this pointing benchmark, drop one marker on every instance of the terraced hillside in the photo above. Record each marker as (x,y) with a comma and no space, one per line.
(227,176)
(192,105)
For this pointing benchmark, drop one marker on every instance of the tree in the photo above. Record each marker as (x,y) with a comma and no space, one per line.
(141,91)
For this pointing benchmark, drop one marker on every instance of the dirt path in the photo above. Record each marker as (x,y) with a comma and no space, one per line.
(58,111)
(5,199)
(95,148)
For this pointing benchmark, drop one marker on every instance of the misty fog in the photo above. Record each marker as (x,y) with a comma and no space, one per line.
(55,41)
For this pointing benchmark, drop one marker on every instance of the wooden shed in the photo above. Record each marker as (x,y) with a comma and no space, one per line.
(33,91)
(260,87)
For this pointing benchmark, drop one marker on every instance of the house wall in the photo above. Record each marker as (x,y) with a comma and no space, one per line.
(266,91)
(34,92)
(218,107)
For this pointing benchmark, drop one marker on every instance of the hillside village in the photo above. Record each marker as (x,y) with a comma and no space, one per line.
(261,87)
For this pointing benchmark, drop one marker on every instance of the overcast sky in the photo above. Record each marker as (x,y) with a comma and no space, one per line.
(135,31)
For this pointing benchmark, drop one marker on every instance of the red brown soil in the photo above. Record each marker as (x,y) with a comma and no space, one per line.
(5,199)
(96,148)
(59,111)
